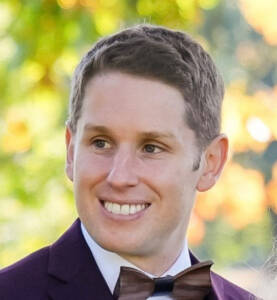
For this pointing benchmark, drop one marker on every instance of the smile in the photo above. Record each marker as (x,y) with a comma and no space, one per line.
(124,209)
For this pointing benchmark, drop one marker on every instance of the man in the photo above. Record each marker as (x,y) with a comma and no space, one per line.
(143,136)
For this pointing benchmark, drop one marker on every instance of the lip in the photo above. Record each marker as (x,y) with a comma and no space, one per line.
(122,201)
(120,217)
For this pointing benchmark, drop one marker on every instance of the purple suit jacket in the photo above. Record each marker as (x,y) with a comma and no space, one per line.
(66,270)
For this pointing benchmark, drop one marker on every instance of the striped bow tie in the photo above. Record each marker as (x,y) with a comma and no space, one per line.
(193,283)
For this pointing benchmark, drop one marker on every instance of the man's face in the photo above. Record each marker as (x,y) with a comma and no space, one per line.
(131,162)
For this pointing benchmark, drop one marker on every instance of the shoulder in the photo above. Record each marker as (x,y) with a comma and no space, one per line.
(26,277)
(226,290)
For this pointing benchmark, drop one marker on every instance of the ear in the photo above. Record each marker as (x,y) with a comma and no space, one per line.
(69,141)
(215,157)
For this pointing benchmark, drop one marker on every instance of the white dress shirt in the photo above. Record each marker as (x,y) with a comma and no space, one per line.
(109,263)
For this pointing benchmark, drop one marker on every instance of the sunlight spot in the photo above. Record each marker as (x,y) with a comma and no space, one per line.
(258,130)
(67,4)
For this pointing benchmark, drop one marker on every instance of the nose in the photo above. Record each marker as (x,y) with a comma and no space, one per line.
(123,170)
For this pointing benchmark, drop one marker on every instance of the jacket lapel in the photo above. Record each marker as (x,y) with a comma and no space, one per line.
(222,289)
(73,273)
(216,285)
(72,270)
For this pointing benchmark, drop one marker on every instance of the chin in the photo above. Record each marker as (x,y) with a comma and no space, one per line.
(130,248)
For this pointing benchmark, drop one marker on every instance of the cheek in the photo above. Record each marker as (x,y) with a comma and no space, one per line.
(89,168)
(170,178)
(178,189)
(167,169)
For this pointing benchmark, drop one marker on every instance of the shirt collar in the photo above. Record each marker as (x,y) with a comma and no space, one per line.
(109,263)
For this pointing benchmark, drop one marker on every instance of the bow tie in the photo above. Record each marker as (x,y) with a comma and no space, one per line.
(193,283)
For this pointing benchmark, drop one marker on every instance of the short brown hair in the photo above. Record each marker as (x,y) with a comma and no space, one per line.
(156,52)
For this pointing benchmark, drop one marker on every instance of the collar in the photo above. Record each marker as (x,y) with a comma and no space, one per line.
(74,274)
(109,263)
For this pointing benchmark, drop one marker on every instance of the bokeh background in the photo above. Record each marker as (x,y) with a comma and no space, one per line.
(41,42)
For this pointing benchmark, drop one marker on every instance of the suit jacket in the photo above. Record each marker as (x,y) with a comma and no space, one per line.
(67,270)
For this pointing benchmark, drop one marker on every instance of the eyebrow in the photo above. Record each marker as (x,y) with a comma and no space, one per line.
(156,134)
(146,135)
(92,127)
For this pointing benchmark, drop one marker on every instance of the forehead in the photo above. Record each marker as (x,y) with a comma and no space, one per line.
(118,100)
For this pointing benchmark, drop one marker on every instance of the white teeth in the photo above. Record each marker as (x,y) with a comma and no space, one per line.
(125,209)
(116,208)
(110,206)
(132,209)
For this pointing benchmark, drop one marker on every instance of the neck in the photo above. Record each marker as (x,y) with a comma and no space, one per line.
(153,262)
(158,263)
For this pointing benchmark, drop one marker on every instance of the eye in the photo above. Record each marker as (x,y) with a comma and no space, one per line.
(101,144)
(150,148)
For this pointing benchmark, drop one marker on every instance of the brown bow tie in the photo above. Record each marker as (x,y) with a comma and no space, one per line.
(193,283)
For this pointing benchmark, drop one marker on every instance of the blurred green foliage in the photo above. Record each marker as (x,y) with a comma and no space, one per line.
(40,44)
